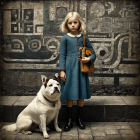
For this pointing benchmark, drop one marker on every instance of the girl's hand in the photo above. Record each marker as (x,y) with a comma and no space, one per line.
(63,75)
(86,59)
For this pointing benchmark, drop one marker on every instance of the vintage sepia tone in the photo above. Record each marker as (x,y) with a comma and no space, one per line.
(30,40)
(29,47)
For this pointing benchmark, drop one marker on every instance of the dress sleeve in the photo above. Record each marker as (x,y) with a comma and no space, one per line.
(93,56)
(62,54)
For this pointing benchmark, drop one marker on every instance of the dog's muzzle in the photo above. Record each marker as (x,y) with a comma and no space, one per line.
(56,90)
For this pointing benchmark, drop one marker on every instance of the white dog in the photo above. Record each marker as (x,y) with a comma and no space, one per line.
(41,111)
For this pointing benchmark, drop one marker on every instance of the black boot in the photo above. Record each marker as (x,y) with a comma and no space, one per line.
(69,123)
(80,123)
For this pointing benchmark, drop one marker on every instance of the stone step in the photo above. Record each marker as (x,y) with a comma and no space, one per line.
(96,109)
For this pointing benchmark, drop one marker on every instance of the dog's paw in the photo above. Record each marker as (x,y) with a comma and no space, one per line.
(26,132)
(58,129)
(29,132)
(46,136)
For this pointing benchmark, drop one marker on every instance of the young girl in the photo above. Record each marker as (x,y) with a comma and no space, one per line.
(76,85)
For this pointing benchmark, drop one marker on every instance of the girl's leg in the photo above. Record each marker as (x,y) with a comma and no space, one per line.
(69,103)
(80,102)
(69,123)
(80,123)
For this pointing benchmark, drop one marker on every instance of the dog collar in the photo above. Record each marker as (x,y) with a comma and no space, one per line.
(54,103)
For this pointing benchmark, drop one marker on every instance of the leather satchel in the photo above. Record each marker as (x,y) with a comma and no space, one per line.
(85,52)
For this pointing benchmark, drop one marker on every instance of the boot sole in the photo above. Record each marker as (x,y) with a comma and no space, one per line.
(68,129)
(79,126)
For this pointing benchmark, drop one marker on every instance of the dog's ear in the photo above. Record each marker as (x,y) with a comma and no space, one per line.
(43,79)
(57,77)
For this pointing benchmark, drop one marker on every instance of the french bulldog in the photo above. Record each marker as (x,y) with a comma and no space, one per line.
(41,111)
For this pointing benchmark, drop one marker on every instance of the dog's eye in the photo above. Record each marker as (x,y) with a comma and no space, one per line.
(58,84)
(50,85)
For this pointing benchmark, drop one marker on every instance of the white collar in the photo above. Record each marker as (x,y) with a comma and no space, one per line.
(73,35)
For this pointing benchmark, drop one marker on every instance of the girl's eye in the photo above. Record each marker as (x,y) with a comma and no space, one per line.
(69,22)
(50,85)
(75,22)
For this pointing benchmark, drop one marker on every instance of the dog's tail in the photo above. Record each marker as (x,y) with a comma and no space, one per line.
(10,128)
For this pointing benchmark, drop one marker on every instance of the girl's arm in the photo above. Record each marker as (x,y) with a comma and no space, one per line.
(62,54)
(63,75)
(93,56)
(62,58)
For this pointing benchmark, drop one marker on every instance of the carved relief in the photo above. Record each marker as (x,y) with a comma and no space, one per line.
(32,37)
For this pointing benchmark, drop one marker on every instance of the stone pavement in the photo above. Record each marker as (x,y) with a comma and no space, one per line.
(93,131)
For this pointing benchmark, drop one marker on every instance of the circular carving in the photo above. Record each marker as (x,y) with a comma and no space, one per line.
(93,26)
(61,12)
(102,53)
(16,43)
(53,45)
(34,45)
(97,9)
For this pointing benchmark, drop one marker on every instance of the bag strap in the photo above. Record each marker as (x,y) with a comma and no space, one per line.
(84,40)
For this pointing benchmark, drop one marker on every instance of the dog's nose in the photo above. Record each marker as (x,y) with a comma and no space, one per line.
(56,89)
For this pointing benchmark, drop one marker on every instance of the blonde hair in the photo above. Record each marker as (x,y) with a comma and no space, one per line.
(63,27)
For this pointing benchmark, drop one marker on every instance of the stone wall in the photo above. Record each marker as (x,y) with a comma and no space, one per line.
(1,50)
(31,38)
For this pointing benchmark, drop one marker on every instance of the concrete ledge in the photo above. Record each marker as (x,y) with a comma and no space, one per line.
(97,108)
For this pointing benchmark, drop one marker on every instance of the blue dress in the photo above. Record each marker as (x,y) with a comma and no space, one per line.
(77,83)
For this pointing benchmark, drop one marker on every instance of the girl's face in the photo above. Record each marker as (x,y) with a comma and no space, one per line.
(73,25)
